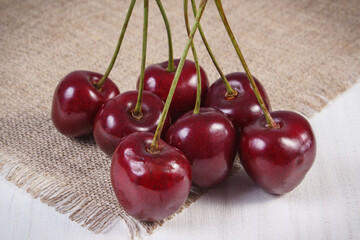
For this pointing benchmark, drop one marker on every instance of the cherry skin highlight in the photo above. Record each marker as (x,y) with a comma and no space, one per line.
(76,102)
(277,159)
(149,186)
(241,109)
(114,121)
(158,81)
(208,140)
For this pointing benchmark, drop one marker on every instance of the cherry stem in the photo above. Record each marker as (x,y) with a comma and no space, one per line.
(270,121)
(230,92)
(117,49)
(171,67)
(154,148)
(198,73)
(137,114)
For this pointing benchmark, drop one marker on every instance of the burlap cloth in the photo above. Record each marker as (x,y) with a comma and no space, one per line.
(304,52)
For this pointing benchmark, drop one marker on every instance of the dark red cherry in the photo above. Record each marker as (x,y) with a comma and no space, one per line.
(277,159)
(76,102)
(208,140)
(244,107)
(114,121)
(158,81)
(149,186)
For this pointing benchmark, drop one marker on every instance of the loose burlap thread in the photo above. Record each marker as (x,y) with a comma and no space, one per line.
(304,52)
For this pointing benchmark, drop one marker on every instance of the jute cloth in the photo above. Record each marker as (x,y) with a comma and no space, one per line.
(304,52)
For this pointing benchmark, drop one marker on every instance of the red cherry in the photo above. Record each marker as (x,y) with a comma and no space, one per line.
(114,121)
(158,81)
(277,159)
(241,109)
(76,102)
(149,186)
(208,140)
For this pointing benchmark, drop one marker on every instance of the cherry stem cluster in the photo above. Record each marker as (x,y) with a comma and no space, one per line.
(117,49)
(197,66)
(230,92)
(270,121)
(171,67)
(136,113)
(154,148)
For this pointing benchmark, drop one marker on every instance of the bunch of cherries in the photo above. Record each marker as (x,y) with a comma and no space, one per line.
(152,177)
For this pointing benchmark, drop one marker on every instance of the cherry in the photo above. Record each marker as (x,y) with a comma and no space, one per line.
(242,108)
(149,186)
(77,100)
(158,81)
(116,119)
(131,112)
(277,159)
(150,178)
(80,94)
(278,149)
(208,140)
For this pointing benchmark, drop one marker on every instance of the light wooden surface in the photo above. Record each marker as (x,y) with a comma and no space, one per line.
(325,206)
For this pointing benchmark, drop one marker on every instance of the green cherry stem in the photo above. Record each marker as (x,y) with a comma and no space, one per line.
(136,113)
(116,52)
(171,67)
(154,148)
(270,121)
(198,73)
(230,92)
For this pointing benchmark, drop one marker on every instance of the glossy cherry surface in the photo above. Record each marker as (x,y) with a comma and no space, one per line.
(208,140)
(149,186)
(277,159)
(244,107)
(76,102)
(115,120)
(158,81)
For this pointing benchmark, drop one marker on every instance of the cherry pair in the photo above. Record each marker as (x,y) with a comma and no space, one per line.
(116,119)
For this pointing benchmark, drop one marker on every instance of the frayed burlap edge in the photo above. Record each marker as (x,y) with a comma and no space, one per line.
(66,201)
(82,210)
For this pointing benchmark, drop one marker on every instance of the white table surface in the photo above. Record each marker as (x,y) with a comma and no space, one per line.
(325,206)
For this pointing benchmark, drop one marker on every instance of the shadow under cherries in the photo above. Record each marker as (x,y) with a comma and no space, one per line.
(238,189)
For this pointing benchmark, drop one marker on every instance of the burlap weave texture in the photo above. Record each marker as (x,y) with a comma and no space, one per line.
(304,52)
